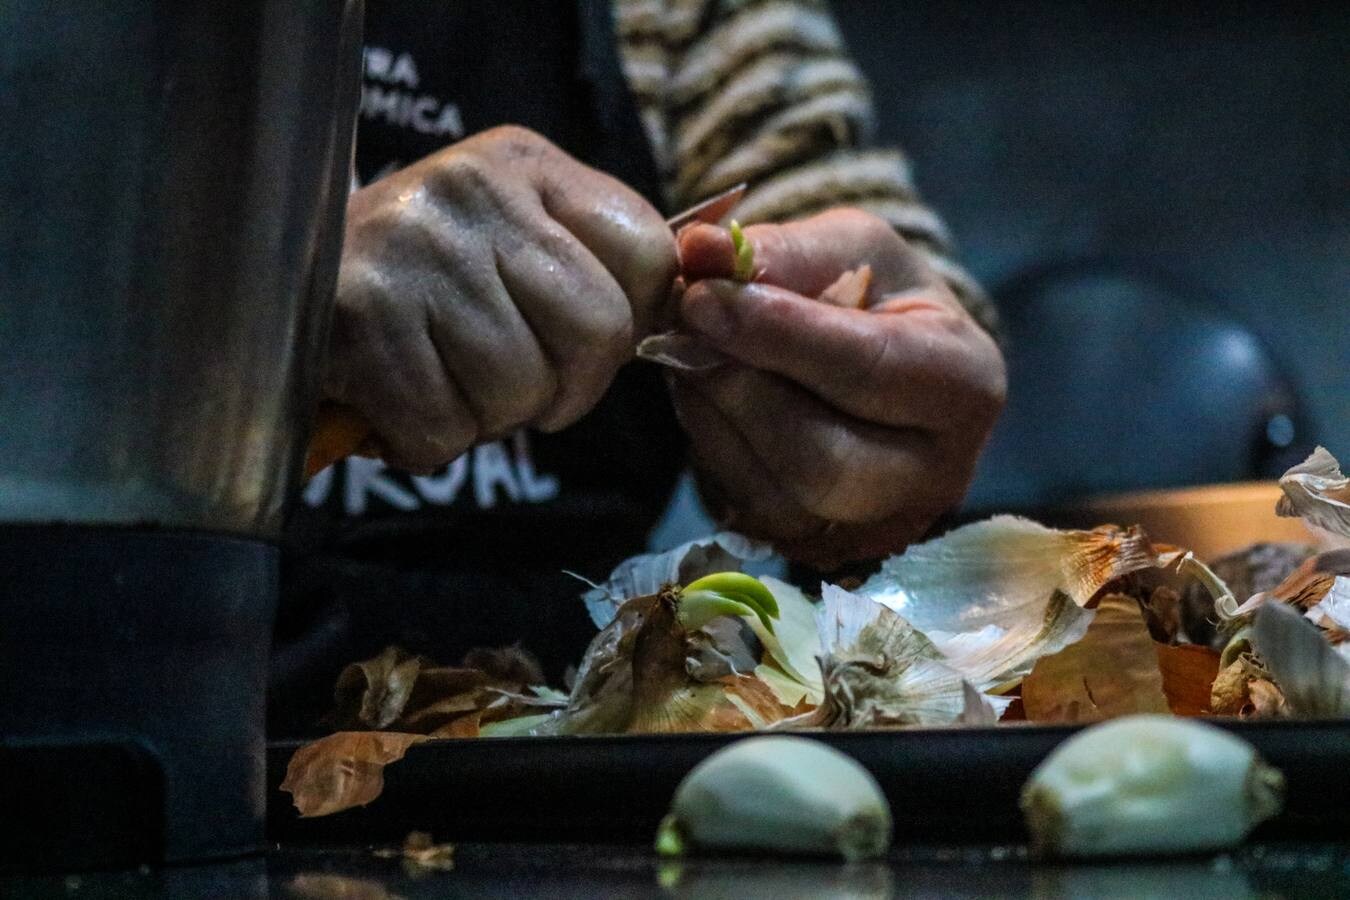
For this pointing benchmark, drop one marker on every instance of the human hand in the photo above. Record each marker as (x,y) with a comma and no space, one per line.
(496,284)
(837,433)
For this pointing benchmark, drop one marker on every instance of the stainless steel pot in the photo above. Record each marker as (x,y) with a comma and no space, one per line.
(174,178)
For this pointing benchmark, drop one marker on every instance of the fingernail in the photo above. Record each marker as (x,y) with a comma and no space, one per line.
(706,310)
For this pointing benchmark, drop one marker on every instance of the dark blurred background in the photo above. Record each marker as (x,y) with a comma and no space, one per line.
(1158,196)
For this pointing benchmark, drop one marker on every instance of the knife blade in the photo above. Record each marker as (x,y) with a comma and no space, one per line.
(712,210)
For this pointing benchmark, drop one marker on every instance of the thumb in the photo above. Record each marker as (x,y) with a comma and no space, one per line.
(705,251)
(809,255)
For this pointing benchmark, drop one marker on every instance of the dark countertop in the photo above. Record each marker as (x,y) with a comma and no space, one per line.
(520,871)
(573,817)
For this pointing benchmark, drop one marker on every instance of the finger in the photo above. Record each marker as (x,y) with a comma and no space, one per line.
(759,507)
(922,365)
(484,342)
(383,365)
(579,315)
(623,231)
(756,504)
(809,255)
(833,466)
(706,251)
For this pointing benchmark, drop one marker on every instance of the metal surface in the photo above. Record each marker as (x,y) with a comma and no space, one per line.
(175,181)
(714,209)
(174,185)
(132,674)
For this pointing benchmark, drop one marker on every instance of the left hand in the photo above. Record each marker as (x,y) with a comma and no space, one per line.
(838,434)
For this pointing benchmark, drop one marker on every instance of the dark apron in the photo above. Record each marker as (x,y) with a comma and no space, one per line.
(474,555)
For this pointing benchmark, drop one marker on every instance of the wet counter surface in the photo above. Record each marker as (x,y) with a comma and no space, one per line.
(521,871)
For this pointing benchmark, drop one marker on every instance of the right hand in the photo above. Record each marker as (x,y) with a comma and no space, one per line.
(494,285)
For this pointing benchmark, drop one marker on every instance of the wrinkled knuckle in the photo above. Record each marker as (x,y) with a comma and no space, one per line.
(600,318)
(449,430)
(516,141)
(428,431)
(420,235)
(384,235)
(609,330)
(603,343)
(495,422)
(559,247)
(460,174)
(360,282)
(362,306)
(516,135)
(649,270)
(529,396)
(656,254)
(580,387)
(380,226)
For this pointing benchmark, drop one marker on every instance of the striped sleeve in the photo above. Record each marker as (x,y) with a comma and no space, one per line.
(764,91)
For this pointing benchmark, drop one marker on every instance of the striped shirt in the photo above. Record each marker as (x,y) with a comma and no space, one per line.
(764,91)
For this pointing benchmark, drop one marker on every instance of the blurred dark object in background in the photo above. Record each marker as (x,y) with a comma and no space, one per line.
(1121,381)
(1159,197)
